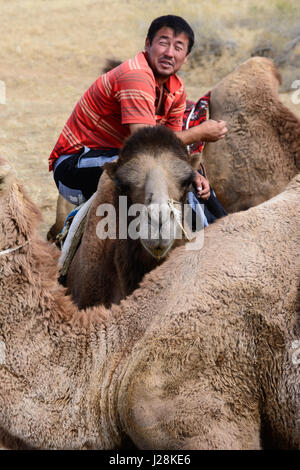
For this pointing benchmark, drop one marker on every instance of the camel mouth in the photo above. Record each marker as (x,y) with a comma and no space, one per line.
(158,252)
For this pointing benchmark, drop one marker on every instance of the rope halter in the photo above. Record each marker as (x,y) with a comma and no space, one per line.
(10,250)
(178,217)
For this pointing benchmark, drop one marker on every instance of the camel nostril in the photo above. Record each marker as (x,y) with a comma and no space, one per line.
(160,220)
(149,199)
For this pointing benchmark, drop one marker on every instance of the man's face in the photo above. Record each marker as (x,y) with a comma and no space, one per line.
(167,53)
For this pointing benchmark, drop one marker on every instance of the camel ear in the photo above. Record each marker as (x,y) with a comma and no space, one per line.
(110,169)
(7,176)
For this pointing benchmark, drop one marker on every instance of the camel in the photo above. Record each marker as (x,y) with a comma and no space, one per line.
(261,152)
(153,168)
(204,358)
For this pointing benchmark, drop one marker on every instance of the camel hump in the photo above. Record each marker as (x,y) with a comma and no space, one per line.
(111,64)
(294,183)
(7,175)
(262,65)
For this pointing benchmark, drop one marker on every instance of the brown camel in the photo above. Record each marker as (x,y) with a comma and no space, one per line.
(261,152)
(204,358)
(154,168)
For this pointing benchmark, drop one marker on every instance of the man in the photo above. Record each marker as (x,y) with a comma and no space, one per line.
(140,92)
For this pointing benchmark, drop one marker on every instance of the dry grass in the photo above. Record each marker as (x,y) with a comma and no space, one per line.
(51,51)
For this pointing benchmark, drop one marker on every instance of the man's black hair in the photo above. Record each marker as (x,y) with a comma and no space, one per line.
(178,24)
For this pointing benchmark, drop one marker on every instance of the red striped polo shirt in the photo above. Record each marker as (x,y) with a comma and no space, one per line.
(124,95)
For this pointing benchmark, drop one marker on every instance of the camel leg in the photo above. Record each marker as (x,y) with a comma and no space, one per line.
(63,208)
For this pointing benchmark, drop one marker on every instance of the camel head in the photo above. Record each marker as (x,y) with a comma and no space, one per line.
(7,179)
(18,215)
(154,171)
(7,176)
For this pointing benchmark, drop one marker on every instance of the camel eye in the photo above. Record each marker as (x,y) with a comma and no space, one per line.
(122,186)
(188,180)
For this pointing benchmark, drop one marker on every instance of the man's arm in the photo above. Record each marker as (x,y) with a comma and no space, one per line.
(207,131)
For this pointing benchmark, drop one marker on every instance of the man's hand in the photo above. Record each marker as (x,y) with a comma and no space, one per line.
(211,130)
(207,131)
(202,186)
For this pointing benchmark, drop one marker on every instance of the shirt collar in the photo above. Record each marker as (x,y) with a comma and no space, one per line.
(173,84)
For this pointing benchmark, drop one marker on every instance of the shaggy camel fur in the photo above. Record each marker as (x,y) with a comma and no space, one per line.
(200,359)
(153,168)
(261,152)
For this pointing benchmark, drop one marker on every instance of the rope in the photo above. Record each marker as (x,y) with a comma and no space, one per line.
(188,123)
(10,250)
(178,215)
